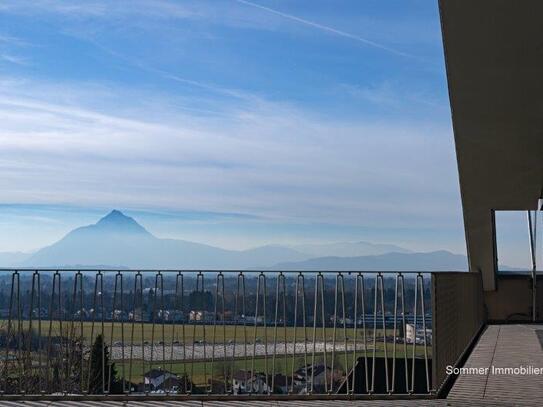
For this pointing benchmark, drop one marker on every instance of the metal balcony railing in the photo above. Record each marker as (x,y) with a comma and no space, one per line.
(216,334)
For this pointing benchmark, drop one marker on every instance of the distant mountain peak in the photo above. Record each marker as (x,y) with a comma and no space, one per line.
(115,216)
(118,221)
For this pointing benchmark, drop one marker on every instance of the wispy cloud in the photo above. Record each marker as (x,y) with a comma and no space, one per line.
(100,8)
(144,66)
(269,160)
(13,59)
(211,12)
(327,29)
(393,95)
(9,46)
(7,39)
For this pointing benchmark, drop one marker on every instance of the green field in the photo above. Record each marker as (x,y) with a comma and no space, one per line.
(200,371)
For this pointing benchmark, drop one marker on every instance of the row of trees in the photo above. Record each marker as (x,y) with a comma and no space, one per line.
(151,302)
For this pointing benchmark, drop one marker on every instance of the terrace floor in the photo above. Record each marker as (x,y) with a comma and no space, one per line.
(504,346)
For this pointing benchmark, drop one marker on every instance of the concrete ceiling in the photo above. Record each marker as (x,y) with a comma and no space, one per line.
(494,59)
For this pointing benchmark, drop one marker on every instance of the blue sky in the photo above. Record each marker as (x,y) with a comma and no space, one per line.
(235,123)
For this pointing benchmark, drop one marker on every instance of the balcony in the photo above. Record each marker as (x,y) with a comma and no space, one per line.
(233,335)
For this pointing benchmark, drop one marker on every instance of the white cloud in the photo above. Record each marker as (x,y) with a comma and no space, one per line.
(98,8)
(266,159)
(13,59)
(245,15)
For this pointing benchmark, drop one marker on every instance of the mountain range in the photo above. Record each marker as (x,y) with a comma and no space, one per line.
(118,241)
(440,260)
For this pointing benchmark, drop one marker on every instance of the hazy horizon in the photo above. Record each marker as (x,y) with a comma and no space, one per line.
(119,241)
(294,243)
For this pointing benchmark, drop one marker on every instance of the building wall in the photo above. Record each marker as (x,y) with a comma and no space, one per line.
(512,301)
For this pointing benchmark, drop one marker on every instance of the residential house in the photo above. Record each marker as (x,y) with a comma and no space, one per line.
(157,378)
(319,375)
(244,381)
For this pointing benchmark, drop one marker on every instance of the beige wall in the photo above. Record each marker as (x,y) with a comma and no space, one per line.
(512,301)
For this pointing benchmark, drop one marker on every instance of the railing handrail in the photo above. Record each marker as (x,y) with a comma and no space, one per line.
(236,271)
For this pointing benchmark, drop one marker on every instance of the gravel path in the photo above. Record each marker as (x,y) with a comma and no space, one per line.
(203,352)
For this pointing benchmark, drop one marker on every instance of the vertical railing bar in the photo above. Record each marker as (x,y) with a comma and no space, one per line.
(138,277)
(404,328)
(81,332)
(142,332)
(374,358)
(40,366)
(56,278)
(394,333)
(215,305)
(199,291)
(183,332)
(204,331)
(28,354)
(314,334)
(173,323)
(336,293)
(285,356)
(132,331)
(193,340)
(385,346)
(70,349)
(8,333)
(414,339)
(224,362)
(323,320)
(183,336)
(173,319)
(163,327)
(355,334)
(264,297)
(112,330)
(275,329)
(236,321)
(153,320)
(364,329)
(243,308)
(62,369)
(252,373)
(19,338)
(299,289)
(428,389)
(102,313)
(304,322)
(532,229)
(49,346)
(346,361)
(102,331)
(92,331)
(291,390)
(122,331)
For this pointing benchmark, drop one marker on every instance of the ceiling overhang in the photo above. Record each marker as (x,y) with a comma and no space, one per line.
(494,59)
